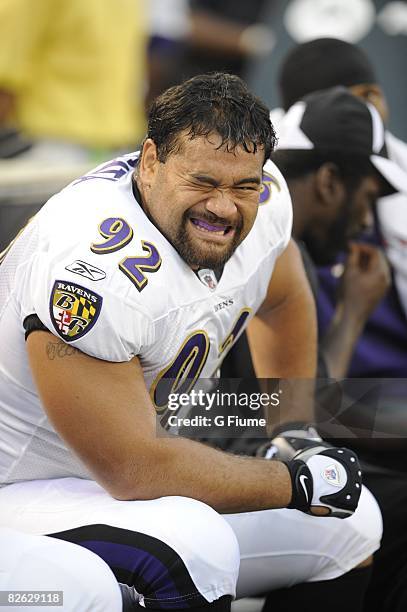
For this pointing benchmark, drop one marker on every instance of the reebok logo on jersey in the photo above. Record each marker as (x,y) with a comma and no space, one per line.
(87,270)
(331,475)
(73,310)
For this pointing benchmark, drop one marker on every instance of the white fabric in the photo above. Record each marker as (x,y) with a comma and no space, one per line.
(391,172)
(392,213)
(37,563)
(192,529)
(378,128)
(278,548)
(152,323)
(290,134)
(318,465)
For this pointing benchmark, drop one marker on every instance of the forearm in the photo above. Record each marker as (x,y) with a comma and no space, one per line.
(226,482)
(283,343)
(365,280)
(339,342)
(283,335)
(294,365)
(109,422)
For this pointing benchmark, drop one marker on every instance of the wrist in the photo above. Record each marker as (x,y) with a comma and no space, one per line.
(302,488)
(350,315)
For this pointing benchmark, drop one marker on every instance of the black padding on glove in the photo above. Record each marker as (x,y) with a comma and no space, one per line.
(348,497)
(302,485)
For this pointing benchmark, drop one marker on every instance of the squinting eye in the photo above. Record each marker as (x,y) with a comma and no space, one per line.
(249,189)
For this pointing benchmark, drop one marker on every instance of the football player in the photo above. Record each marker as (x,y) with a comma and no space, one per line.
(109,303)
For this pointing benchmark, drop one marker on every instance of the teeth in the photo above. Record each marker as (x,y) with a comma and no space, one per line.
(220,232)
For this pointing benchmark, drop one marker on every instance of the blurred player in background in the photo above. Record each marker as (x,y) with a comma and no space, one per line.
(318,64)
(380,351)
(191,37)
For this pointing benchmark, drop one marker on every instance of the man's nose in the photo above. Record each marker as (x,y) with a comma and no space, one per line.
(221,204)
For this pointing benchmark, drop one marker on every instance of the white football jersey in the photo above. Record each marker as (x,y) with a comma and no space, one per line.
(392,213)
(100,275)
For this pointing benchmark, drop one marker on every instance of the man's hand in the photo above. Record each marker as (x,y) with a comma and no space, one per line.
(365,281)
(326,481)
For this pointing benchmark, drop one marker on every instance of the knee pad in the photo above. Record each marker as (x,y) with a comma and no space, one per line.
(206,543)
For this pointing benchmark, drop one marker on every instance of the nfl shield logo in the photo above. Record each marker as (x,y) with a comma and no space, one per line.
(73,310)
(208,278)
(331,475)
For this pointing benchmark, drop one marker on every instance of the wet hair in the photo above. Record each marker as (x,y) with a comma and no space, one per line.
(216,102)
(321,64)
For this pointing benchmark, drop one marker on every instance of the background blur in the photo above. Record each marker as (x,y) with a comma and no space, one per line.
(379,27)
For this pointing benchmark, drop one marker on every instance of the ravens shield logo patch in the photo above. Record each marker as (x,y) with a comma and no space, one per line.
(73,309)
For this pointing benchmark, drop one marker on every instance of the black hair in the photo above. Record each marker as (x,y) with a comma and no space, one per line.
(216,102)
(321,64)
(296,164)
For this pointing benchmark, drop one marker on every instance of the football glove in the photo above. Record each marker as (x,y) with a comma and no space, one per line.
(321,475)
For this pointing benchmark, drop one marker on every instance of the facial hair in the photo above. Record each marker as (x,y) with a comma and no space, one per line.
(325,252)
(211,255)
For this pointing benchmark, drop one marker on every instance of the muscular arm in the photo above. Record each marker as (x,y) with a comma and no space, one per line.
(104,413)
(283,335)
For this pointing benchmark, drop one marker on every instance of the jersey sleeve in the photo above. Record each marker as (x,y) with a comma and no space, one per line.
(275,212)
(85,300)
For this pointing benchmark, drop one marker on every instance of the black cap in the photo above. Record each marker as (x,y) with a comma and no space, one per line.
(334,120)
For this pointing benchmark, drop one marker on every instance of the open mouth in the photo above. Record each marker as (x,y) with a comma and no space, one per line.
(209,228)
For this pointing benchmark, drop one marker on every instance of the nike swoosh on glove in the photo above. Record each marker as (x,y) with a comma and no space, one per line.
(330,478)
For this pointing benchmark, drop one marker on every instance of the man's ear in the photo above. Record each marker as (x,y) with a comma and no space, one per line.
(329,186)
(149,163)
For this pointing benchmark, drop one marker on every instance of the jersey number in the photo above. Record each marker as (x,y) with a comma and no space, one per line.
(184,370)
(118,233)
